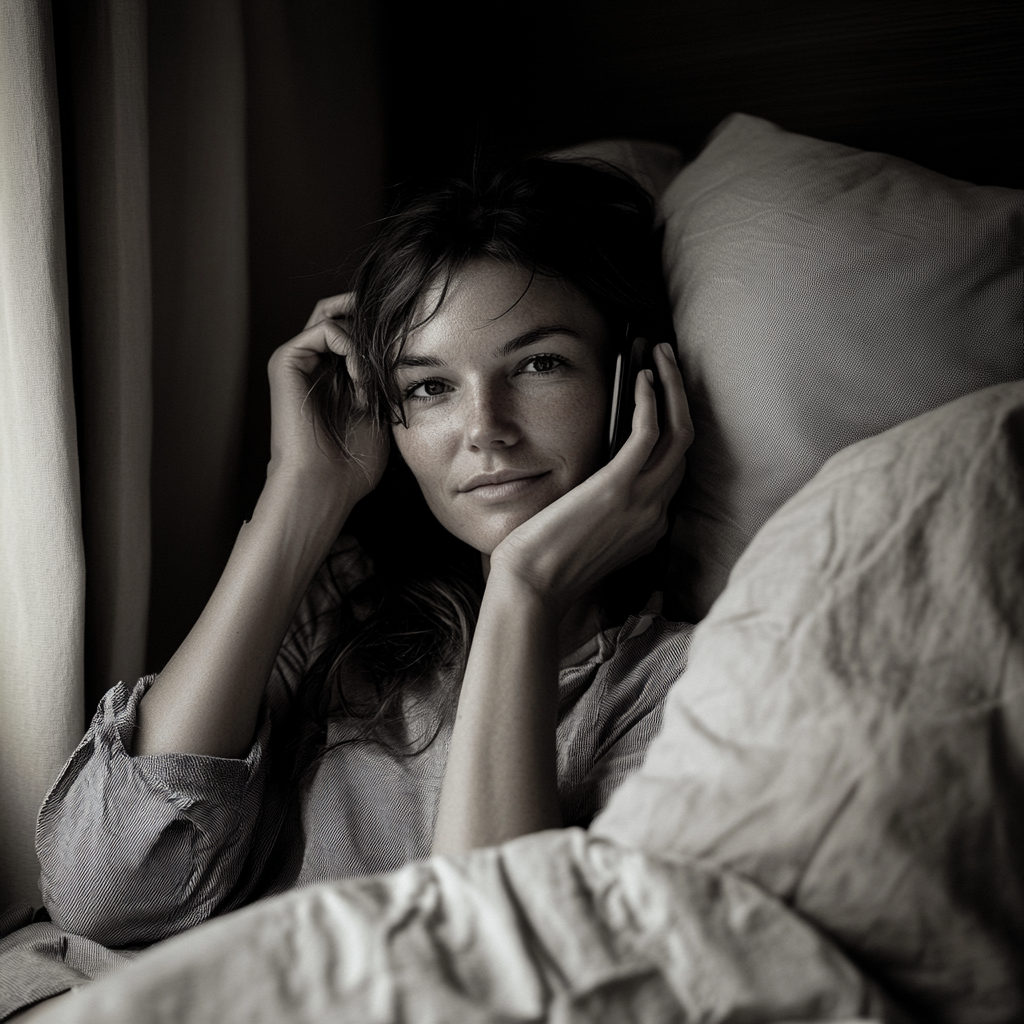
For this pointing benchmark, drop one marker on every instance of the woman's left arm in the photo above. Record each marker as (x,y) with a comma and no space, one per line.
(501,779)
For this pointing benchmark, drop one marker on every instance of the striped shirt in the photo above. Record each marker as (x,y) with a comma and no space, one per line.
(135,849)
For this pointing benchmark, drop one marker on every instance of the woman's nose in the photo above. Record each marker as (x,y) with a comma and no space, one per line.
(491,420)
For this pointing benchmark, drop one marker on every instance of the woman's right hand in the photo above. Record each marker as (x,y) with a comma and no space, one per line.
(299,447)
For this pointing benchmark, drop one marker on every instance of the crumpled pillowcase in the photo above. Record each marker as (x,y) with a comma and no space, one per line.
(849,733)
(820,295)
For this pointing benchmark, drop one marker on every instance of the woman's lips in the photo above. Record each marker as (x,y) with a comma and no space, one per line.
(501,489)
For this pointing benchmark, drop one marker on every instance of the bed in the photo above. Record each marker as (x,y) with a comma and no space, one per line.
(831,824)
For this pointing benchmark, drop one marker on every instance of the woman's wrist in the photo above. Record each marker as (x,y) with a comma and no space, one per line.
(516,603)
(294,526)
(521,590)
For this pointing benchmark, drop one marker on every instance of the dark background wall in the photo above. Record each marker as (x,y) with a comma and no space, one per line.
(940,82)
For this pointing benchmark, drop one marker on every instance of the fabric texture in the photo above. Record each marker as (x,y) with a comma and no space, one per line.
(820,295)
(42,566)
(136,849)
(849,734)
(556,926)
(41,960)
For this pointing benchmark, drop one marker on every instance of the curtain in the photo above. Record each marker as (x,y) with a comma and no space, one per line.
(109,253)
(42,564)
(180,180)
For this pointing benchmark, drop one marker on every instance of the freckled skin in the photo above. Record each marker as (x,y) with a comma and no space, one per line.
(484,411)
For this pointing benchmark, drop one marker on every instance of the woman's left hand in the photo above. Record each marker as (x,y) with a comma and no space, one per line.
(613,517)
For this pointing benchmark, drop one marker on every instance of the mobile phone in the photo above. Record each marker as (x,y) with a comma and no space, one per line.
(636,354)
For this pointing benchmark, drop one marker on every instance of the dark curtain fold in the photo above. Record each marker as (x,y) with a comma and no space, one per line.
(197,117)
(102,47)
(267,156)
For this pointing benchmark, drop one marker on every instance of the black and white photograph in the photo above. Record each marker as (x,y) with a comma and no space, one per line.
(511,512)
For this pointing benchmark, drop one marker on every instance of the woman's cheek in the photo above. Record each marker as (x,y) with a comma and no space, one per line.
(579,430)
(422,453)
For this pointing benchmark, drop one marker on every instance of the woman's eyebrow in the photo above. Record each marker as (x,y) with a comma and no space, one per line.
(537,334)
(411,361)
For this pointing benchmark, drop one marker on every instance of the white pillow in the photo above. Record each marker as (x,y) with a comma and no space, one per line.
(821,295)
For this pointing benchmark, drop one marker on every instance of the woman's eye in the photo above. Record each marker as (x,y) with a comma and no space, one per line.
(541,364)
(426,389)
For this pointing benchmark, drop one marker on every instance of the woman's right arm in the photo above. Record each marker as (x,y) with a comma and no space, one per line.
(207,698)
(136,848)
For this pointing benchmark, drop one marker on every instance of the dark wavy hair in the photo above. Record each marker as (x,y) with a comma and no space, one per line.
(586,223)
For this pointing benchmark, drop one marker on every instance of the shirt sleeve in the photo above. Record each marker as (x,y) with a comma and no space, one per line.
(134,849)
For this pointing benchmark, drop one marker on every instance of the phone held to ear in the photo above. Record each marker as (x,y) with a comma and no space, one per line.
(637,354)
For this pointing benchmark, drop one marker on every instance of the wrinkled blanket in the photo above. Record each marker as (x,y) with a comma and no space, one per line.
(557,926)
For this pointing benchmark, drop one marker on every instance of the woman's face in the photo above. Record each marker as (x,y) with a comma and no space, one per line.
(506,399)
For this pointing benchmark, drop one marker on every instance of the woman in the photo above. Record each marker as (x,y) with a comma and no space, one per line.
(478,344)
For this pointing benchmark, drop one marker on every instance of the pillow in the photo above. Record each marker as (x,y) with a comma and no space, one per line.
(849,733)
(821,295)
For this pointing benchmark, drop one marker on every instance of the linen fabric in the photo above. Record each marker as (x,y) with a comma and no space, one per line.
(41,960)
(849,734)
(820,294)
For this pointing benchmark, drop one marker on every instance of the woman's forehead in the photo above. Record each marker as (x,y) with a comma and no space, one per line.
(492,302)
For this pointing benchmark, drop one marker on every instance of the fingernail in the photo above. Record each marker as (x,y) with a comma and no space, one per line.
(666,348)
(649,374)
